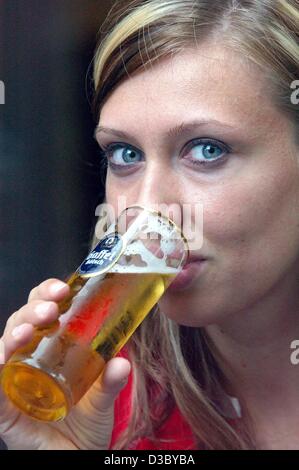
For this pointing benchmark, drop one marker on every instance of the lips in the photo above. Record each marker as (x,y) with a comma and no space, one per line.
(190,272)
(192,258)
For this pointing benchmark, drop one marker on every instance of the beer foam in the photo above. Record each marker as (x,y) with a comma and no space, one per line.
(152,264)
(140,270)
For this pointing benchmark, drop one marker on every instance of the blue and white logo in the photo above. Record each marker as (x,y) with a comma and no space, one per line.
(103,256)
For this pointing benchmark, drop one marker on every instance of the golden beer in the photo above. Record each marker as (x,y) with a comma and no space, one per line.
(96,333)
(45,378)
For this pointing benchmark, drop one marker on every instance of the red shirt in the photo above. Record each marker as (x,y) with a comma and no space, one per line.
(175,428)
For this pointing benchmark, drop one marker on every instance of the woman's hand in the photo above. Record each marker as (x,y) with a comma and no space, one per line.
(89,424)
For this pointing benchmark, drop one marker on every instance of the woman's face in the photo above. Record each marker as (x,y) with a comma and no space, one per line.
(200,127)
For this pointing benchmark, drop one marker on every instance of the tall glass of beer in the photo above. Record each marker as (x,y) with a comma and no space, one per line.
(111,293)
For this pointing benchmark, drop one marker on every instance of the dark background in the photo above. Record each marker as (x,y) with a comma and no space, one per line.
(50,182)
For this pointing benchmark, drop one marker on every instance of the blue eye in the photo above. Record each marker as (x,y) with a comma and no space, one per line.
(205,152)
(202,153)
(122,155)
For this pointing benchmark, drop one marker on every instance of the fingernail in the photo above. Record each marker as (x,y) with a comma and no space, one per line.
(18,331)
(43,309)
(57,287)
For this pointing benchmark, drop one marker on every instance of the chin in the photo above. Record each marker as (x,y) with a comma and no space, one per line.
(182,316)
(195,312)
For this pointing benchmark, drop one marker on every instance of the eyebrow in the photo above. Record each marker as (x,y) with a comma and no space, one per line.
(175,131)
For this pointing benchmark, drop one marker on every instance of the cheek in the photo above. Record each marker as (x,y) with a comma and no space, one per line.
(262,206)
(251,232)
(121,193)
(112,194)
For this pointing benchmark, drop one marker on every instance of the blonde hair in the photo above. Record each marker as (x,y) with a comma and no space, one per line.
(139,33)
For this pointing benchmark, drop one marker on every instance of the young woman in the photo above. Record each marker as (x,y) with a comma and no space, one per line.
(196,102)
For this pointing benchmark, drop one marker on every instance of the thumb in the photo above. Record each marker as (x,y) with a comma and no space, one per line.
(93,417)
(112,380)
(101,396)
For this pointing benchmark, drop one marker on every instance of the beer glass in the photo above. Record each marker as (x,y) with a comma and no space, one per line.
(111,292)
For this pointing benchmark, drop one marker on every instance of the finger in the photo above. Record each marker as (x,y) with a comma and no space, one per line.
(115,374)
(38,313)
(2,360)
(51,289)
(18,337)
(105,390)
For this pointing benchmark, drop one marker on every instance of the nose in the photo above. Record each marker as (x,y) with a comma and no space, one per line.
(165,188)
(160,185)
(161,189)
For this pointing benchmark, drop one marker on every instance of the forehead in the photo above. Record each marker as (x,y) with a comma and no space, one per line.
(207,82)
